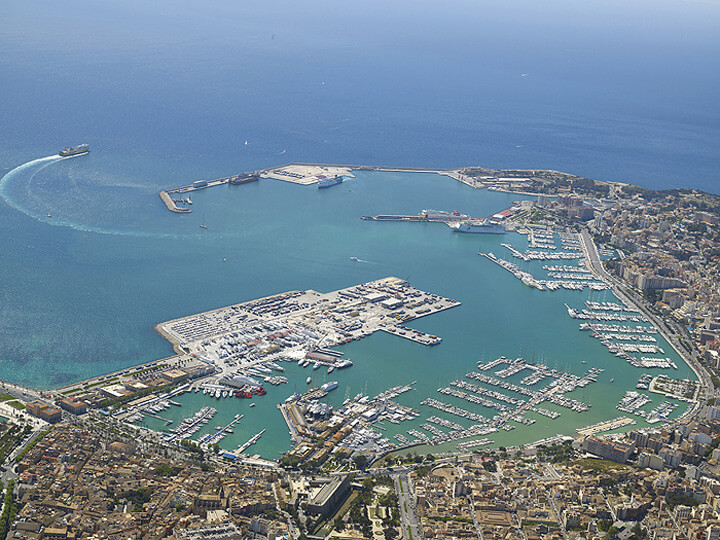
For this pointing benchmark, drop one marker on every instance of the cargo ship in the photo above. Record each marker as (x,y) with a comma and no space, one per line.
(244,178)
(329,182)
(483,227)
(74,150)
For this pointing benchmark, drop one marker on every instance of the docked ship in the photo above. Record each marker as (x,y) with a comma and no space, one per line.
(440,215)
(244,178)
(329,182)
(485,226)
(74,150)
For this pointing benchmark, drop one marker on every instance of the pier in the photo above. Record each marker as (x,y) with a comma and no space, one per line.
(296,173)
(172,204)
(255,438)
(426,216)
(215,437)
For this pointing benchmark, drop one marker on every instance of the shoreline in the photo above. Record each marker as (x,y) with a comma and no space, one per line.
(614,283)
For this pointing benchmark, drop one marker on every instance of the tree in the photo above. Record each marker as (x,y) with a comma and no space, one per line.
(638,533)
(360,461)
(165,470)
(390,533)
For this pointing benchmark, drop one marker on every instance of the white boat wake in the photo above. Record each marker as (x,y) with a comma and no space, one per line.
(42,162)
(37,165)
(355,259)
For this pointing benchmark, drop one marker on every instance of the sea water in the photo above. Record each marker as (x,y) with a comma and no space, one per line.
(92,260)
(110,285)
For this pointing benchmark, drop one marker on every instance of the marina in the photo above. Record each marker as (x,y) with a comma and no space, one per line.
(302,337)
(567,281)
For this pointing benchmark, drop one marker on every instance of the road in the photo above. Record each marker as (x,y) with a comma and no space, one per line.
(406,502)
(558,515)
(478,529)
(18,391)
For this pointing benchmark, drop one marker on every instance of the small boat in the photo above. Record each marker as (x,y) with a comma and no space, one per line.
(203,226)
(308,380)
(354,259)
(612,380)
(49,214)
(252,404)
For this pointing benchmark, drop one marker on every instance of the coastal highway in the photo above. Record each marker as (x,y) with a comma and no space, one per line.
(626,294)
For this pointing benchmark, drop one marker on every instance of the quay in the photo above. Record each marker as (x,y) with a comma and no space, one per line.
(609,425)
(413,335)
(240,340)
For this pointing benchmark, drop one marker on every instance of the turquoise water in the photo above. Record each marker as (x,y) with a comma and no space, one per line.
(168,92)
(277,236)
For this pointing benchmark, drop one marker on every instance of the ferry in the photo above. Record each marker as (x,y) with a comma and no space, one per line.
(329,182)
(74,150)
(485,226)
(441,215)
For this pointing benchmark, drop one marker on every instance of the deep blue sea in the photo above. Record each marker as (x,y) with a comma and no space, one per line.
(170,92)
